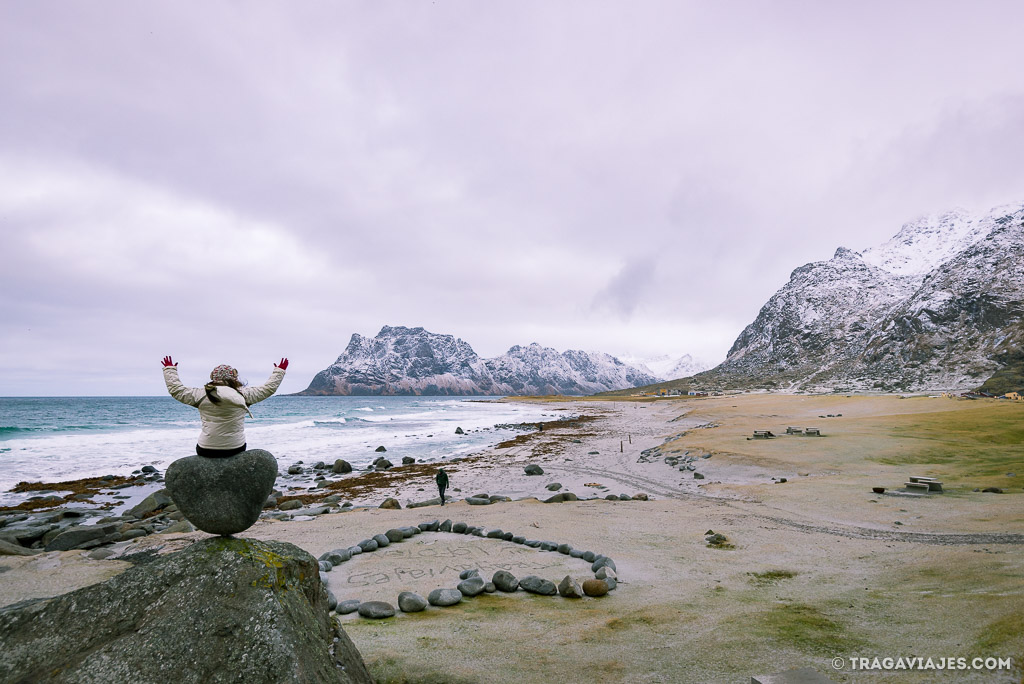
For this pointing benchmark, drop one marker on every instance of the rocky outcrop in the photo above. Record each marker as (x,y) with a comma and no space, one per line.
(223,610)
(410,361)
(939,306)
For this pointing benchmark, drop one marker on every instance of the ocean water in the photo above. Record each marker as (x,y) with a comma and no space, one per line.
(51,439)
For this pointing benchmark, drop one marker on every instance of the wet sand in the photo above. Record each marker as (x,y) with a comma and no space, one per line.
(818,567)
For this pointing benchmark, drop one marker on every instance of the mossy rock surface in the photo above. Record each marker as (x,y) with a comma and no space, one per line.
(223,610)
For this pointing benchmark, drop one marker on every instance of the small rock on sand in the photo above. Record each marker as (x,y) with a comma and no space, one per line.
(595,587)
(376,610)
(533,469)
(408,602)
(390,502)
(538,585)
(505,581)
(444,597)
(570,588)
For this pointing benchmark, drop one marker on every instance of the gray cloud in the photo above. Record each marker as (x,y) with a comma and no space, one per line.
(236,182)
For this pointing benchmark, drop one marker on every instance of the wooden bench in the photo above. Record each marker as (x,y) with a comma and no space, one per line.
(812,432)
(794,431)
(763,434)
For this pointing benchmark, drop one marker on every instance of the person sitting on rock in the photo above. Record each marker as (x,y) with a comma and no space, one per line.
(223,404)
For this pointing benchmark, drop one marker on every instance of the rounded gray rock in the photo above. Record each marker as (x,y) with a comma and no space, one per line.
(533,469)
(538,585)
(466,574)
(601,562)
(394,535)
(376,610)
(381,540)
(368,545)
(346,607)
(444,597)
(408,602)
(472,586)
(505,581)
(459,527)
(222,495)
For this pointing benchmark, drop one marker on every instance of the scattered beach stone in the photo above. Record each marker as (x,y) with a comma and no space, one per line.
(611,582)
(341,466)
(472,586)
(154,502)
(564,548)
(553,487)
(346,607)
(391,503)
(533,469)
(290,505)
(561,497)
(180,527)
(697,476)
(518,539)
(476,501)
(466,574)
(444,597)
(407,460)
(149,469)
(625,497)
(716,539)
(459,431)
(602,562)
(495,534)
(570,588)
(446,526)
(992,490)
(459,527)
(380,449)
(394,535)
(538,585)
(376,610)
(409,602)
(505,581)
(11,549)
(77,535)
(611,497)
(222,495)
(495,498)
(383,464)
(295,470)
(604,572)
(382,540)
(368,545)
(595,587)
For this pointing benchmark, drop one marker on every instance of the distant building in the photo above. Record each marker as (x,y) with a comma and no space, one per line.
(1013,396)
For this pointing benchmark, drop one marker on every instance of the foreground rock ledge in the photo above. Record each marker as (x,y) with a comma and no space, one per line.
(222,610)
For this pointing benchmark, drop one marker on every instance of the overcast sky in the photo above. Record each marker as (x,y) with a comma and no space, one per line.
(230,182)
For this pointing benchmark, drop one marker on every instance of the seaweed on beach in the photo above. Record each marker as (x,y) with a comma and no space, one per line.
(89,486)
(551,428)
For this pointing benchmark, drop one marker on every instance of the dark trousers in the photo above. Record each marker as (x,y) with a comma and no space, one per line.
(218,453)
(440,489)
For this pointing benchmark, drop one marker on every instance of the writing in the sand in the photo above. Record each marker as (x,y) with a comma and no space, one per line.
(457,559)
(404,574)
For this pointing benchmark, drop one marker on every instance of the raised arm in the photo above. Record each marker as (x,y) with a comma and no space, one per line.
(186,395)
(260,392)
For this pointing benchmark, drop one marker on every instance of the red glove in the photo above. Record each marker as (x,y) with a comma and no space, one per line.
(168,362)
(283,365)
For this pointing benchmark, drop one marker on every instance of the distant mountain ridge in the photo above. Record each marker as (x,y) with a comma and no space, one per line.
(938,306)
(412,361)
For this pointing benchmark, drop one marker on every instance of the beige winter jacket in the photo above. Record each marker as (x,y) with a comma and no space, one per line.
(223,422)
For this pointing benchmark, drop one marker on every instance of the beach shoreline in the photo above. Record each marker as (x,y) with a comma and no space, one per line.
(816,566)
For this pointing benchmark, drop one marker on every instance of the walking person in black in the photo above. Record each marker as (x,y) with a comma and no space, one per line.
(442,482)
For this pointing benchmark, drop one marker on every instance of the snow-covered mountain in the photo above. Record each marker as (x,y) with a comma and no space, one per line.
(406,361)
(667,366)
(939,306)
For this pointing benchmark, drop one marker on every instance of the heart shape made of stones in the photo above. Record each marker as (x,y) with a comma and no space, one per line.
(222,495)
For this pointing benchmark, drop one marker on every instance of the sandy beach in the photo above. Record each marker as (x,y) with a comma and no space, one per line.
(816,567)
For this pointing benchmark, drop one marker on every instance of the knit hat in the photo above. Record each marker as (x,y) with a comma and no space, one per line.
(223,373)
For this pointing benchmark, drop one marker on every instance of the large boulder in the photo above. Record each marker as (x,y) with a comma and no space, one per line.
(222,610)
(222,495)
